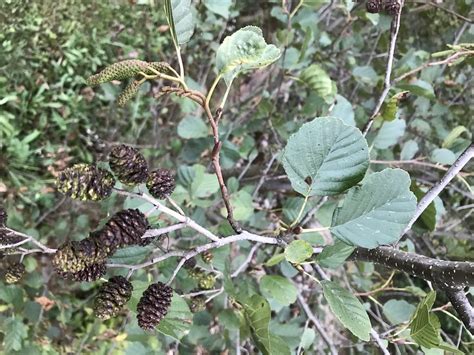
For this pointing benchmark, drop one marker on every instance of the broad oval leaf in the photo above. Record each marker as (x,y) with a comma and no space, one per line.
(244,50)
(377,212)
(325,157)
(298,251)
(278,288)
(335,255)
(180,20)
(348,309)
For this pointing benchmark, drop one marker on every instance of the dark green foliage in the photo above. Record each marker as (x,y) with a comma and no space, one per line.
(153,305)
(85,182)
(112,296)
(14,273)
(161,183)
(128,164)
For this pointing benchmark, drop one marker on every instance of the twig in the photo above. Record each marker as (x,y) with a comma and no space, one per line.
(264,175)
(151,233)
(247,261)
(186,255)
(379,342)
(395,27)
(457,166)
(448,60)
(183,219)
(317,324)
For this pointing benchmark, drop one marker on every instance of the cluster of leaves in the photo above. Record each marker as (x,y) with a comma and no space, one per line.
(325,71)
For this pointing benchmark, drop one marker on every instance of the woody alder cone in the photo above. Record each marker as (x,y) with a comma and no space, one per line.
(161,183)
(14,273)
(85,182)
(88,274)
(128,164)
(391,7)
(77,255)
(153,305)
(3,217)
(374,6)
(112,296)
(124,228)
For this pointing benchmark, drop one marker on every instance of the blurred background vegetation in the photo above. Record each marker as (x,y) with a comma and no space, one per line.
(50,119)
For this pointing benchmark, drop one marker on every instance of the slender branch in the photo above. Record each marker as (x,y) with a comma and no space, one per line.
(379,342)
(186,255)
(317,324)
(448,60)
(458,165)
(395,27)
(31,239)
(183,219)
(246,262)
(151,233)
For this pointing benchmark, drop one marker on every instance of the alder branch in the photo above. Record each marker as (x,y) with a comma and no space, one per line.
(394,29)
(462,306)
(457,166)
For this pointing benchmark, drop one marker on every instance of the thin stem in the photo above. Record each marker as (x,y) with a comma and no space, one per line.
(457,166)
(300,213)
(395,27)
(183,219)
(319,229)
(212,89)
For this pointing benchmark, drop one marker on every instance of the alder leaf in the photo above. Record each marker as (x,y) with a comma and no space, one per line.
(377,212)
(244,50)
(180,20)
(325,157)
(348,309)
(319,82)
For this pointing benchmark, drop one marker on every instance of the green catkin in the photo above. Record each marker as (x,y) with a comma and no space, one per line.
(128,93)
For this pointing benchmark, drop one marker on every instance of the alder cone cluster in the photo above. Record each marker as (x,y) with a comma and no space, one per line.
(75,256)
(88,274)
(85,182)
(124,228)
(153,305)
(128,165)
(14,273)
(198,304)
(161,183)
(7,238)
(112,296)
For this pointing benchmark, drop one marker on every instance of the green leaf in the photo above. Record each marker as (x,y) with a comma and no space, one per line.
(389,134)
(344,111)
(334,255)
(319,82)
(244,50)
(202,184)
(178,320)
(348,309)
(398,311)
(192,127)
(419,88)
(180,20)
(325,157)
(131,255)
(427,220)
(377,212)
(242,203)
(278,288)
(220,7)
(410,148)
(258,314)
(298,251)
(15,331)
(424,325)
(443,156)
(453,135)
(275,259)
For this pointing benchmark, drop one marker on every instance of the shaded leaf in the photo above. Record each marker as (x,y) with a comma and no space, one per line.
(325,157)
(178,320)
(334,255)
(278,288)
(427,220)
(384,197)
(298,251)
(348,309)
